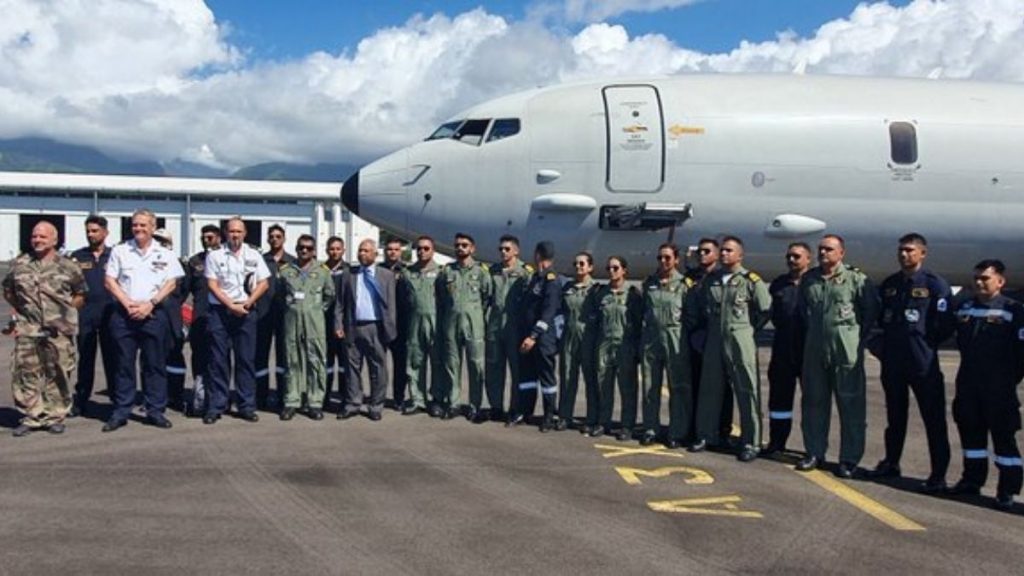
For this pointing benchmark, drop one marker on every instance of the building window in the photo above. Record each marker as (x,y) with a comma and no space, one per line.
(903,142)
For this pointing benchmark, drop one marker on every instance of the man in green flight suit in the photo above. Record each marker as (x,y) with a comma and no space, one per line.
(665,350)
(463,289)
(417,287)
(733,303)
(838,306)
(508,287)
(308,293)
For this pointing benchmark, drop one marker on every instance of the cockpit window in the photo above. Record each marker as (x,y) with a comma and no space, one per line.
(472,131)
(446,130)
(503,128)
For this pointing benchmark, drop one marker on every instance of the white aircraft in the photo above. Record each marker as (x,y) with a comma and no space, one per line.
(619,167)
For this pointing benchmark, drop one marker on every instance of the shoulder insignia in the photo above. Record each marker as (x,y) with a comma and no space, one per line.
(485,267)
(753,276)
(529,268)
(689,282)
(325,267)
(551,276)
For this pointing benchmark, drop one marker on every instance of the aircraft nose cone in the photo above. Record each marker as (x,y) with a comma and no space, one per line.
(350,193)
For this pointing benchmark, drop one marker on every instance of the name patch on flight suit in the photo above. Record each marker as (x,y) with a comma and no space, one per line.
(85,265)
(919,293)
(890,292)
(159,265)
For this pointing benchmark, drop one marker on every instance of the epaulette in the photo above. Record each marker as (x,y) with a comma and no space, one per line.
(485,266)
(551,275)
(325,266)
(690,283)
(529,268)
(753,276)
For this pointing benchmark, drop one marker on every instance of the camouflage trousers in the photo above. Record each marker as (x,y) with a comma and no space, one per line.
(41,370)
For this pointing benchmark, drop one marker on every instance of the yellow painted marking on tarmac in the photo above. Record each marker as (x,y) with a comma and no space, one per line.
(866,504)
(619,451)
(717,506)
(632,475)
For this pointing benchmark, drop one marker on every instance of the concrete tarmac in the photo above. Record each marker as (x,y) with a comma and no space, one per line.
(415,495)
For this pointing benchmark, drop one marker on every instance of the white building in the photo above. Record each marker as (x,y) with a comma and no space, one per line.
(182,205)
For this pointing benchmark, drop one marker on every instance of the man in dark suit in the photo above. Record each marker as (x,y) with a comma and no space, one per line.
(365,316)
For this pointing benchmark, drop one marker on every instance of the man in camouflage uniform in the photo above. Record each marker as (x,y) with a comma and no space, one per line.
(733,303)
(508,283)
(464,289)
(46,290)
(839,308)
(417,288)
(308,291)
(665,349)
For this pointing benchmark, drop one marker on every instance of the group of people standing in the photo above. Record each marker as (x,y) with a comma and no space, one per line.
(694,330)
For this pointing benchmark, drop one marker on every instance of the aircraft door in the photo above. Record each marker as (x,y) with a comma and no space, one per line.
(635,138)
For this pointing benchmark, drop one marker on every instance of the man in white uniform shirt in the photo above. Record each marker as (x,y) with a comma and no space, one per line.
(237,278)
(140,276)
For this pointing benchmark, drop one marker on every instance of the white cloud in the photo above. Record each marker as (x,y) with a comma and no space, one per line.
(599,10)
(155,79)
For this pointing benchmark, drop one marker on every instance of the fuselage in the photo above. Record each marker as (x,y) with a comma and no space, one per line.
(771,159)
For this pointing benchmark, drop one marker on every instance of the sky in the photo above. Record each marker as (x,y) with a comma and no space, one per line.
(229,83)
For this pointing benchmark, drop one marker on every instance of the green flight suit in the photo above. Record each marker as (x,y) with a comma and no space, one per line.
(577,350)
(418,288)
(508,288)
(619,316)
(665,350)
(307,296)
(462,293)
(838,313)
(732,307)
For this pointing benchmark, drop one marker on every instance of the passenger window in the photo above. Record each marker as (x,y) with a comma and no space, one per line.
(903,141)
(472,132)
(503,128)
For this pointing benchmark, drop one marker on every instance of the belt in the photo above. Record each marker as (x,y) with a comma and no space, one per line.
(366,322)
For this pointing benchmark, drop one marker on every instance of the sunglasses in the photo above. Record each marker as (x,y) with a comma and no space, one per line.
(462,244)
(826,249)
(982,278)
(705,251)
(505,249)
(664,258)
(792,256)
(306,248)
(580,263)
(423,248)
(614,268)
